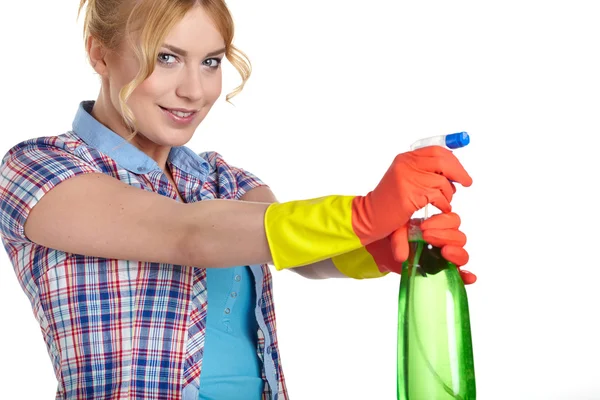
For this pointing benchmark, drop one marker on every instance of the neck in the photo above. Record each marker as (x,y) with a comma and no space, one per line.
(105,113)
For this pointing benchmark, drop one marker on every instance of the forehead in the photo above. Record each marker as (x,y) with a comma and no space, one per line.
(196,33)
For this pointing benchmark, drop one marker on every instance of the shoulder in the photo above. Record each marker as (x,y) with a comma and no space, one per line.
(29,170)
(43,146)
(231,181)
(214,159)
(43,162)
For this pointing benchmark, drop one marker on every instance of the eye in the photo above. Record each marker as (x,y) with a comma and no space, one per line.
(212,62)
(166,58)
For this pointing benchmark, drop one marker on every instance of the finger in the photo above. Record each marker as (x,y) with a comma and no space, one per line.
(453,187)
(467,277)
(456,255)
(445,186)
(437,199)
(399,243)
(442,161)
(432,181)
(444,237)
(442,221)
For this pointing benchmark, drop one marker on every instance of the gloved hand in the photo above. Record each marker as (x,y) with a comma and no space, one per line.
(377,259)
(306,231)
(441,231)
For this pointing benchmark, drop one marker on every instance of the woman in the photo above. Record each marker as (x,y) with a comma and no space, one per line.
(120,278)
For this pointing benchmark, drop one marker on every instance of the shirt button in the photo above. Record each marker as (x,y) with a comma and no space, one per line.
(140,168)
(269,350)
(260,302)
(238,278)
(227,311)
(233,294)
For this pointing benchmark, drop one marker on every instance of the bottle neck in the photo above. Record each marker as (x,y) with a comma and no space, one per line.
(414,230)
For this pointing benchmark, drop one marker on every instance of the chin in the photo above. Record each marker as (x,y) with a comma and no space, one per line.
(166,136)
(178,137)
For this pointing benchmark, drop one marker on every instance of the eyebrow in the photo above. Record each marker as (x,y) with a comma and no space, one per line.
(185,53)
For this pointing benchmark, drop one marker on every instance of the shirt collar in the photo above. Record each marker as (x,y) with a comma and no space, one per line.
(126,154)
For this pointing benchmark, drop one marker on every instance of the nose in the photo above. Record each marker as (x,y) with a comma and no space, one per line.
(191,85)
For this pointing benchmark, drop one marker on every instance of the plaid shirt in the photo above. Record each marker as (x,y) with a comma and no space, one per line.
(120,329)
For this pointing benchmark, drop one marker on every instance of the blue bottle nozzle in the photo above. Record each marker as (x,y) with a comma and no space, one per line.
(457,140)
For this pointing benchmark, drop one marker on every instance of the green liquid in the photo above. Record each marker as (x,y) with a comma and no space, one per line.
(435,355)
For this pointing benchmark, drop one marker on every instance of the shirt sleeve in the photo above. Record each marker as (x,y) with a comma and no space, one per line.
(28,171)
(233,182)
(245,181)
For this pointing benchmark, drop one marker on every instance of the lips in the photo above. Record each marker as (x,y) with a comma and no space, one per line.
(180,116)
(181,113)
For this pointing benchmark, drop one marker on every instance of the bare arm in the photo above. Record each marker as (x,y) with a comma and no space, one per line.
(321,270)
(97,215)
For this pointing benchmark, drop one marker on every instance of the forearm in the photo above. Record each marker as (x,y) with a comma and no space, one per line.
(225,233)
(325,269)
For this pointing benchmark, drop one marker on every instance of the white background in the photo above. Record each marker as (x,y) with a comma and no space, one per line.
(338,89)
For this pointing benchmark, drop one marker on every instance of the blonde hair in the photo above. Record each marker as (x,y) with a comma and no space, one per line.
(112,21)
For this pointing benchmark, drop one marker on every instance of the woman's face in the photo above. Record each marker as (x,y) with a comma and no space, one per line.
(170,104)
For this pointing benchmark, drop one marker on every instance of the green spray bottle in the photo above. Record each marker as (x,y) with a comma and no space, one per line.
(435,355)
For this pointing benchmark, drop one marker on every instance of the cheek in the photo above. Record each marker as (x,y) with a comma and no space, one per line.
(213,90)
(150,91)
(154,86)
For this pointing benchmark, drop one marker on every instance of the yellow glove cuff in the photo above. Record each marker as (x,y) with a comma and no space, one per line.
(357,264)
(307,231)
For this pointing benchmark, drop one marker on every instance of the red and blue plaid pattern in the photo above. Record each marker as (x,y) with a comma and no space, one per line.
(119,329)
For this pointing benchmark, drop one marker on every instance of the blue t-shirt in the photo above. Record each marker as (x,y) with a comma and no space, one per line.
(231,368)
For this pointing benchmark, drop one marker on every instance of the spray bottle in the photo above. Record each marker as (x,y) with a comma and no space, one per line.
(435,355)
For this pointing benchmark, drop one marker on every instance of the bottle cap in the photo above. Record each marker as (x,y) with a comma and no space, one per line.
(457,140)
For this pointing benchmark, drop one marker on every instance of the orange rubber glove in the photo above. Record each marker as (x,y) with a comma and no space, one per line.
(377,259)
(307,231)
(441,230)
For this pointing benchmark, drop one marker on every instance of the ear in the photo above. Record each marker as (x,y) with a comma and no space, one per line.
(97,55)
